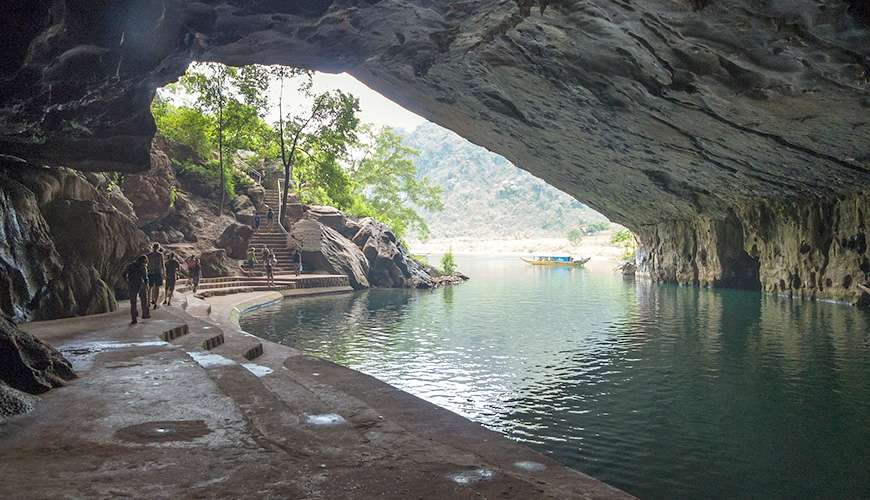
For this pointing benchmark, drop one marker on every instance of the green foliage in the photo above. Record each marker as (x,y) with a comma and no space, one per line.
(420,259)
(575,236)
(448,265)
(173,196)
(625,239)
(207,174)
(184,125)
(386,185)
(622,237)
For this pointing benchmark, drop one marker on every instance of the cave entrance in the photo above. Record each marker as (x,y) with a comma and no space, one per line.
(351,148)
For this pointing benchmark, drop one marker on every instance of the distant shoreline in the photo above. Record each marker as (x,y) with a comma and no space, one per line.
(598,247)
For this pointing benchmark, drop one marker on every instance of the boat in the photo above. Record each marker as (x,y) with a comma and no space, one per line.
(556,260)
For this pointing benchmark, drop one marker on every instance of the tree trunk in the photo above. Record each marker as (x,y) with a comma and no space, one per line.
(221,156)
(283,209)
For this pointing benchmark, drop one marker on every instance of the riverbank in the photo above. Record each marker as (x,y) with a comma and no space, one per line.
(604,256)
(187,404)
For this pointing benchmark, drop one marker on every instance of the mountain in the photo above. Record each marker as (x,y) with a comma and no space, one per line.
(486,196)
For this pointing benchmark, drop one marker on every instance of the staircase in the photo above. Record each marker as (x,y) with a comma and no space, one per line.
(272,237)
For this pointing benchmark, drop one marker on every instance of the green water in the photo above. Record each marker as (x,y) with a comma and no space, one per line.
(664,391)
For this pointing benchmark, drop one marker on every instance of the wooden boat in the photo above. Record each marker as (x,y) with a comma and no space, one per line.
(563,261)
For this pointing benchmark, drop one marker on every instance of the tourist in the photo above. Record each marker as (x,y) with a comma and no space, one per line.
(256,222)
(252,258)
(268,262)
(194,271)
(155,273)
(171,272)
(136,276)
(264,253)
(269,216)
(295,254)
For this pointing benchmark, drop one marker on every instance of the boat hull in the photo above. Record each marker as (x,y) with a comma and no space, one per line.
(550,263)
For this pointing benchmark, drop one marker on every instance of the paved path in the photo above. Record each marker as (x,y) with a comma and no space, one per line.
(185,405)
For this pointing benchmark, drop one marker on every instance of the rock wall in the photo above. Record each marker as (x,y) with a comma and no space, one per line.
(664,115)
(813,249)
(63,243)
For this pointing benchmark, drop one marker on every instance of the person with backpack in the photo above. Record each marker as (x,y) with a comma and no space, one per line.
(136,276)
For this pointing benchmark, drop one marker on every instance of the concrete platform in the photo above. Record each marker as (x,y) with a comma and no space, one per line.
(161,412)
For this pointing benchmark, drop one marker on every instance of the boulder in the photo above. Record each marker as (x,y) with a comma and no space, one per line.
(14,402)
(333,219)
(214,263)
(235,240)
(149,193)
(324,249)
(29,364)
(255,193)
(388,266)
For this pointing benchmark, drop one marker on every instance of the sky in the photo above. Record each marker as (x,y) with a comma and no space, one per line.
(374,108)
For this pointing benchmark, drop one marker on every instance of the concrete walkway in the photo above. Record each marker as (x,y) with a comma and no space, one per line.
(186,405)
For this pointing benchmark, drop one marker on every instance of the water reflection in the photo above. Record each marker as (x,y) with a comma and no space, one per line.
(665,391)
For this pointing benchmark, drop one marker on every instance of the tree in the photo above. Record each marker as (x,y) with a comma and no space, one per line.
(322,133)
(387,186)
(448,264)
(218,87)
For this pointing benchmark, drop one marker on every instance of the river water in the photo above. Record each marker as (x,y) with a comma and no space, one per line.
(663,391)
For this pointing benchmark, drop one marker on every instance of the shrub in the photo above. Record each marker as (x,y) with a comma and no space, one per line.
(448,265)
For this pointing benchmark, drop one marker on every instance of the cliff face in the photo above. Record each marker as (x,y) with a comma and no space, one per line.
(704,126)
(63,244)
(812,249)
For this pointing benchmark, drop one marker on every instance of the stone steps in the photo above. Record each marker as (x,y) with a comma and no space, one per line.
(217,292)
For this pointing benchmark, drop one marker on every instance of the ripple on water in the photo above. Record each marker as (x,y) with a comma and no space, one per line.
(663,391)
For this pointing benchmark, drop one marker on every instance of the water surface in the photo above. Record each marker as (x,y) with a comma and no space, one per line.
(664,391)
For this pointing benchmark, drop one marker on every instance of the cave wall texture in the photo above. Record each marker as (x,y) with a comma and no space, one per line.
(733,136)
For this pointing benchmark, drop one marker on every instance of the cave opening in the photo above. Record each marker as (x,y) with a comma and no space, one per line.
(485,203)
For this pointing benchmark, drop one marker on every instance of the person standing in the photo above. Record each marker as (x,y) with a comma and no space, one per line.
(256,222)
(136,276)
(252,258)
(155,273)
(269,216)
(171,266)
(268,263)
(195,272)
(295,254)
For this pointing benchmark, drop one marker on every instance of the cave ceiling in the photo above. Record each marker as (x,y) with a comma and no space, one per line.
(647,110)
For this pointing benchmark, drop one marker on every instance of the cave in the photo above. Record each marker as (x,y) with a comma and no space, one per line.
(730,136)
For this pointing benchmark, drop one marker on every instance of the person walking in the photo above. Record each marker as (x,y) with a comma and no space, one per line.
(136,276)
(155,273)
(269,216)
(256,222)
(171,268)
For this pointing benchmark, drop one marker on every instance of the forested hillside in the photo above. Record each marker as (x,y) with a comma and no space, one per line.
(486,196)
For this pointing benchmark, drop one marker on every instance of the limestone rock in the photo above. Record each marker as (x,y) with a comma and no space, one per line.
(671,117)
(326,250)
(388,266)
(14,402)
(63,244)
(332,218)
(149,192)
(235,239)
(29,364)
(214,263)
